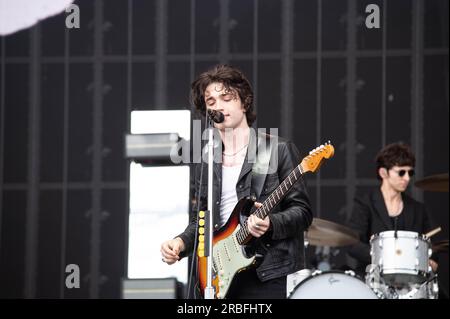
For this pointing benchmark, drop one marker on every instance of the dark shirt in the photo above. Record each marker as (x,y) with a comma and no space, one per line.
(398,222)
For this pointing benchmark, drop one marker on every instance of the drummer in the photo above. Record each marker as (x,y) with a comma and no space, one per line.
(388,207)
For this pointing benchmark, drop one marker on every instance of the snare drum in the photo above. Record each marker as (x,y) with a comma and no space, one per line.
(332,285)
(401,258)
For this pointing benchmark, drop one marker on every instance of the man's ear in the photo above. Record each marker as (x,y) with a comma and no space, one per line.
(382,171)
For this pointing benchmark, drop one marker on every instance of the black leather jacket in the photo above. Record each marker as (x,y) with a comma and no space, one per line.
(281,247)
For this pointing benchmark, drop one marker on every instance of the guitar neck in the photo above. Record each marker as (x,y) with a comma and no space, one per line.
(243,235)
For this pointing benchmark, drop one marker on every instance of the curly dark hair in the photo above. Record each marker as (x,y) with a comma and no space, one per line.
(395,154)
(232,79)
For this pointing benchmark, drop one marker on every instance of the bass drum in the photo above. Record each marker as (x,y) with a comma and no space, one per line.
(332,285)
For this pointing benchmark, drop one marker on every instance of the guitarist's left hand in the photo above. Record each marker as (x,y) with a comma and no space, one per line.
(257,226)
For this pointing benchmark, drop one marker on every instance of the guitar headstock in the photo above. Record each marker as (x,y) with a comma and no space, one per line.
(314,160)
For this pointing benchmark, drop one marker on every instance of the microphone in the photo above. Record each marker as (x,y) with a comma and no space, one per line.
(216,116)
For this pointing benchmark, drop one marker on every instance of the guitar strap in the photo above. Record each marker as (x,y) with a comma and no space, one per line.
(260,170)
(261,167)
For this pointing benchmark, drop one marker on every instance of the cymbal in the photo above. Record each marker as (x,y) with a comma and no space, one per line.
(326,233)
(440,246)
(434,183)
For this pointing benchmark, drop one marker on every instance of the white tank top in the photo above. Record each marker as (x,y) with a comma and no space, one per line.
(230,175)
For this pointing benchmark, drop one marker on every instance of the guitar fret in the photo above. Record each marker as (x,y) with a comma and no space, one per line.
(294,173)
(290,179)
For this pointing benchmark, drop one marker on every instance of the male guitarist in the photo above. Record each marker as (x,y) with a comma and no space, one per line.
(277,239)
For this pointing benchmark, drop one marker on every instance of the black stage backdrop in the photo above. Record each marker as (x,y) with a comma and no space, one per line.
(317,71)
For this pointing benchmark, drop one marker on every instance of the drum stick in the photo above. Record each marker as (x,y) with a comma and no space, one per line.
(433,232)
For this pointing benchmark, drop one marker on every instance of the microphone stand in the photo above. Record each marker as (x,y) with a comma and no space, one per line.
(209,292)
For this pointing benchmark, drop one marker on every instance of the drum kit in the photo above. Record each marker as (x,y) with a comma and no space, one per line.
(399,266)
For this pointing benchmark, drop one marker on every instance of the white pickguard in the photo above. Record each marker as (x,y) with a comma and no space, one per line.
(229,259)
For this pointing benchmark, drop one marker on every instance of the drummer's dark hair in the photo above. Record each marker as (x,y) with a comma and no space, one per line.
(395,154)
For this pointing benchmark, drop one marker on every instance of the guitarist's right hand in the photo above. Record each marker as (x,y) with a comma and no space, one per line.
(171,249)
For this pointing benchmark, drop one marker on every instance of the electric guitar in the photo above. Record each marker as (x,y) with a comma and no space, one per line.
(229,256)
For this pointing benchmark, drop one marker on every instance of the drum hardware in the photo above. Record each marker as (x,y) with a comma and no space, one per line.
(399,270)
(402,260)
(400,266)
(322,254)
(428,290)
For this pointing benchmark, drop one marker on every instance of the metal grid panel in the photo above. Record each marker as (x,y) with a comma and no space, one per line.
(142,47)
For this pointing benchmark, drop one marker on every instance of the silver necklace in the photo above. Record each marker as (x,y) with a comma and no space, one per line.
(225,154)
